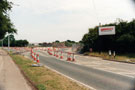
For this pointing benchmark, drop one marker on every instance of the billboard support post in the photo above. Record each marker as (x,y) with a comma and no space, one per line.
(107,30)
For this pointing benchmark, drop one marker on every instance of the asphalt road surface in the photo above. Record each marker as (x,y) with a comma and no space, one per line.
(98,79)
(125,69)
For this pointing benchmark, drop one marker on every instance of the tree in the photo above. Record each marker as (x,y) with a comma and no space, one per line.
(6,26)
(123,41)
(12,40)
(69,43)
(14,43)
(21,43)
(57,41)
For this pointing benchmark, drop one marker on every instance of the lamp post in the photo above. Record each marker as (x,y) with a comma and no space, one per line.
(8,42)
(2,42)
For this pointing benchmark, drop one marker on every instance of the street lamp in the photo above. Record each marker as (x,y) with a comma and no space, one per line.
(2,42)
(8,42)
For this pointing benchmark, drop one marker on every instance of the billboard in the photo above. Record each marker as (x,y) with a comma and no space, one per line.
(110,30)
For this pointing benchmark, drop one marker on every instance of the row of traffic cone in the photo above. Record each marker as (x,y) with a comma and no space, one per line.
(56,53)
(59,54)
(35,56)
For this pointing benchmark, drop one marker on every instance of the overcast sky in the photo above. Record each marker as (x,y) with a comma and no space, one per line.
(50,20)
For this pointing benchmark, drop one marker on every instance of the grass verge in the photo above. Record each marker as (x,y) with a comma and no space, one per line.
(129,58)
(43,78)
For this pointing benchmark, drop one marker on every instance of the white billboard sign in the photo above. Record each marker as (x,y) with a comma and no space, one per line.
(110,30)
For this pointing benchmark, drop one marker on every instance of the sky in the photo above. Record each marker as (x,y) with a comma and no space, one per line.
(49,20)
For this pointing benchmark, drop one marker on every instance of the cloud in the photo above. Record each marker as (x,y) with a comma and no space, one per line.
(48,20)
(47,6)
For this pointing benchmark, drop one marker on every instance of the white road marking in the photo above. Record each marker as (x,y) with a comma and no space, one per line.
(91,88)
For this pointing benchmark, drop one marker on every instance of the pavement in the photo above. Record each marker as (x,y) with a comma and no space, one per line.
(10,75)
(100,79)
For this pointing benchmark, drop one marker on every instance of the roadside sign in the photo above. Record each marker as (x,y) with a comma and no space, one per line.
(110,30)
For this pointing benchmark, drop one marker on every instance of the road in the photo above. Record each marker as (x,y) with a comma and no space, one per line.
(98,79)
(109,66)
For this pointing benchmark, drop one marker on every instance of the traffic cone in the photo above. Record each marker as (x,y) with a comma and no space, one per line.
(68,57)
(73,57)
(54,53)
(38,58)
(57,54)
(61,57)
(51,53)
(35,56)
(32,54)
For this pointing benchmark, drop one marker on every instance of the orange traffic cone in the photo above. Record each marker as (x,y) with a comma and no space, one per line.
(38,58)
(61,57)
(68,56)
(35,56)
(73,57)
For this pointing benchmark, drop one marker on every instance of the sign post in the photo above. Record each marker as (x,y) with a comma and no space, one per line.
(108,30)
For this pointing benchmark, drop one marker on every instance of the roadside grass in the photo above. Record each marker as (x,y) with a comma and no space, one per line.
(43,78)
(120,57)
